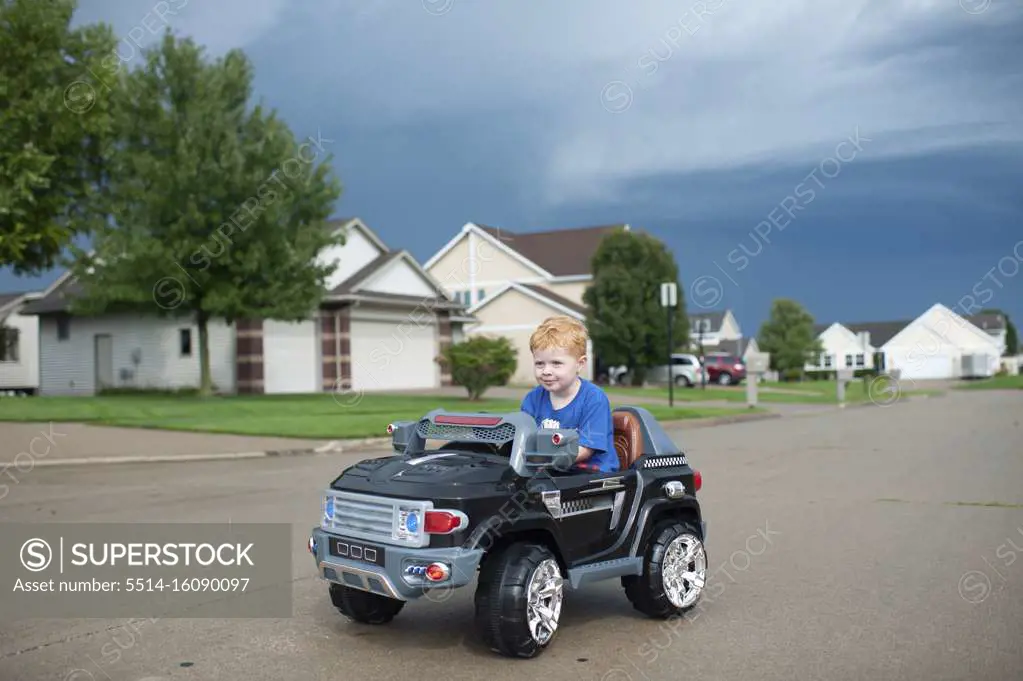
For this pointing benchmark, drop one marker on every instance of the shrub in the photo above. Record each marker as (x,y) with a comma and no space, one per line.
(479,363)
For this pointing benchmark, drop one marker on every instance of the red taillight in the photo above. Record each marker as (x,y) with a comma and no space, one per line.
(390,429)
(556,439)
(697,480)
(467,420)
(441,522)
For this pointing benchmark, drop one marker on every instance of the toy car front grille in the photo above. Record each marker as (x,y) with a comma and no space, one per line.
(433,431)
(361,516)
(375,519)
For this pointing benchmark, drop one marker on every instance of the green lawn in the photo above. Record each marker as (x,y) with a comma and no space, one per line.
(994,383)
(301,416)
(807,392)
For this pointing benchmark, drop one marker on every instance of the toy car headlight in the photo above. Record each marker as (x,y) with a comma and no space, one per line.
(410,523)
(328,510)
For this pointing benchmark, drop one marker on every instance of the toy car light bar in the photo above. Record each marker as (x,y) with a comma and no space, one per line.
(455,420)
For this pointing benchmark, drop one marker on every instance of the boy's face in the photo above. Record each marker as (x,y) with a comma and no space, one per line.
(557,368)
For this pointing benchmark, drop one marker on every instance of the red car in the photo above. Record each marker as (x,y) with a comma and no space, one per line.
(724,369)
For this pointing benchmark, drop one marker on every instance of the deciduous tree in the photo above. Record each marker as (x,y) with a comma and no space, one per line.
(625,319)
(54,130)
(788,335)
(218,210)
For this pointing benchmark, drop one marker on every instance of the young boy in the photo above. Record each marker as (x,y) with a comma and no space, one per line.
(563,399)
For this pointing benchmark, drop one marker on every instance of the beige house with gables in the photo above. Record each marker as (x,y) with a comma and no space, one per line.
(510,282)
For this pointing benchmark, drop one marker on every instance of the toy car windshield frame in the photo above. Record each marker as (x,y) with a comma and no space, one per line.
(532,448)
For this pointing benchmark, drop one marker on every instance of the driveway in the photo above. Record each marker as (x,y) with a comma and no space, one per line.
(847,545)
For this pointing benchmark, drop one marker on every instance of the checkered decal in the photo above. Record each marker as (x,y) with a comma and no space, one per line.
(576,505)
(665,461)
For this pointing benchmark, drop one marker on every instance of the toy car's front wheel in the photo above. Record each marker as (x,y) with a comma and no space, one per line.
(363,606)
(518,600)
(674,572)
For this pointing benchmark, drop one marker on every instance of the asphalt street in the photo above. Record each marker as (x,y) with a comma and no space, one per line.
(844,545)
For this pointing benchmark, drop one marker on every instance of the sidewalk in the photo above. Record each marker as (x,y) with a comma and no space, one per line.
(26,445)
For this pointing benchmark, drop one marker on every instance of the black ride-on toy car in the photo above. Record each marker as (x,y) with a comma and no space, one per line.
(496,497)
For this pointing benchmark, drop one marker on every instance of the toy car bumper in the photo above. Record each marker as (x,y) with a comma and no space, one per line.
(393,571)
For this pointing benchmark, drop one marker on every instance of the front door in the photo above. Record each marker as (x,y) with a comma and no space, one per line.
(104,361)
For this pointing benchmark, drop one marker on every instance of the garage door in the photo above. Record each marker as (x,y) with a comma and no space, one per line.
(291,363)
(922,365)
(393,355)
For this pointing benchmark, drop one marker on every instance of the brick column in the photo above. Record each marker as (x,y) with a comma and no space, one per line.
(336,349)
(249,356)
(444,340)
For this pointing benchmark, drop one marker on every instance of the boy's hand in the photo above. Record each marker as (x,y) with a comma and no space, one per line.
(584,454)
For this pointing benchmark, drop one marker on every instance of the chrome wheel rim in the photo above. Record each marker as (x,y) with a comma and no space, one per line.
(684,570)
(544,594)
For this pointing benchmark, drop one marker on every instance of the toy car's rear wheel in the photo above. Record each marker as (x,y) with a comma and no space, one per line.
(674,572)
(518,600)
(363,606)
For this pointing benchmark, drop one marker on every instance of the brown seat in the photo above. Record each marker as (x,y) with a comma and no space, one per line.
(628,438)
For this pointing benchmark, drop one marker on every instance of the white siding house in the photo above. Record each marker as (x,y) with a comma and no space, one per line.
(933,344)
(843,349)
(82,355)
(19,344)
(380,326)
(711,328)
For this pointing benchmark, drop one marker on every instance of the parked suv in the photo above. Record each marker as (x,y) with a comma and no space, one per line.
(685,370)
(724,369)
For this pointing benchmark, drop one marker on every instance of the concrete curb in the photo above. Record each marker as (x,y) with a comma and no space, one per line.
(719,420)
(335,447)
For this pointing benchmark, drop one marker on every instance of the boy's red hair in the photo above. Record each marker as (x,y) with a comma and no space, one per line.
(560,332)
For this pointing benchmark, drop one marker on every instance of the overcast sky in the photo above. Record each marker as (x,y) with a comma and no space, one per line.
(860,156)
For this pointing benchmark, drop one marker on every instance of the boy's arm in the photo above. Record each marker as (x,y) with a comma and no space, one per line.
(593,432)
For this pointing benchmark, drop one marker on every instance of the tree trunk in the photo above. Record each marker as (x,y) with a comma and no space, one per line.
(205,382)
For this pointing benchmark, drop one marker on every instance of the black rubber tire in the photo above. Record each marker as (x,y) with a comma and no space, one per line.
(681,381)
(500,600)
(363,606)
(646,591)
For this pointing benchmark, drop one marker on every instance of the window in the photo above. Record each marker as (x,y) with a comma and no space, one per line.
(684,361)
(827,361)
(482,294)
(860,360)
(848,361)
(8,344)
(63,327)
(186,342)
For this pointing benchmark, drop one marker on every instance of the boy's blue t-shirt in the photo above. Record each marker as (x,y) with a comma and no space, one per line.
(589,412)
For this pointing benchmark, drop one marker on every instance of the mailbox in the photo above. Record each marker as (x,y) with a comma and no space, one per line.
(758,362)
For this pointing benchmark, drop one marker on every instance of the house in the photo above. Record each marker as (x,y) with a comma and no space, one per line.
(709,329)
(19,344)
(929,347)
(380,326)
(738,347)
(933,345)
(512,281)
(852,345)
